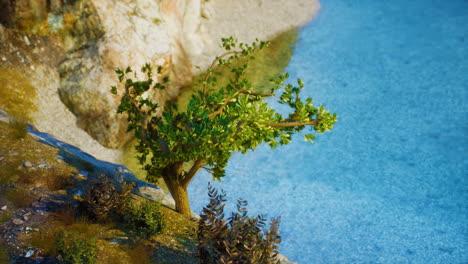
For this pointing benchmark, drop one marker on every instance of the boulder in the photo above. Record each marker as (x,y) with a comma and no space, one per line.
(70,49)
(179,34)
(105,36)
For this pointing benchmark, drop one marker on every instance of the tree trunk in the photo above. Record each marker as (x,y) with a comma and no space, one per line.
(180,195)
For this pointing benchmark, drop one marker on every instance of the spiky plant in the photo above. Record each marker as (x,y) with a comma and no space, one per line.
(237,239)
(101,197)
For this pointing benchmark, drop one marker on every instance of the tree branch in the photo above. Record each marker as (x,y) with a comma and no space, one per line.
(220,109)
(214,64)
(293,124)
(195,167)
(254,94)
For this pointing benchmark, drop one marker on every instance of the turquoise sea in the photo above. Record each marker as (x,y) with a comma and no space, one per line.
(389,184)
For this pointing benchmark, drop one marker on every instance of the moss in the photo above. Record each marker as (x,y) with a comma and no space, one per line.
(4,259)
(5,215)
(268,63)
(130,161)
(178,243)
(17,95)
(157,21)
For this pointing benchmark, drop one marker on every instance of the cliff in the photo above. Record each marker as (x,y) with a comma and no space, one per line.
(57,58)
(68,50)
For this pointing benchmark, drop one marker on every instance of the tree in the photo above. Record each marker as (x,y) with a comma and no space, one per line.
(217,121)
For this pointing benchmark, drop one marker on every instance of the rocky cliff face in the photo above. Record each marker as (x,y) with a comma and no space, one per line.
(81,42)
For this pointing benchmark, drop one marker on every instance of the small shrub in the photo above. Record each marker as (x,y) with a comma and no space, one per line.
(73,249)
(20,126)
(146,218)
(9,172)
(238,239)
(20,197)
(102,197)
(5,216)
(67,214)
(124,198)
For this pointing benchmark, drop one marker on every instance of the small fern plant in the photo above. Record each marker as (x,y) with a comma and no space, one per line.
(237,239)
(146,219)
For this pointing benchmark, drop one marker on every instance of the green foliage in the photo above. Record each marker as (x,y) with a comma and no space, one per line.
(146,219)
(74,249)
(237,239)
(217,120)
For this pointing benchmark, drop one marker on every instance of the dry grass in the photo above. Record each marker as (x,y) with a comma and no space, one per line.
(5,216)
(114,245)
(140,253)
(16,151)
(178,243)
(8,172)
(4,259)
(66,215)
(20,197)
(17,95)
(19,126)
(109,250)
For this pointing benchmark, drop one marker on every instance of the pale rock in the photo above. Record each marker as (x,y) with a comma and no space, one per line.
(283,260)
(29,253)
(26,40)
(178,34)
(17,221)
(4,117)
(2,37)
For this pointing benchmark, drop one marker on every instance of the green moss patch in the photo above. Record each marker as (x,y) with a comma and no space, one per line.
(17,95)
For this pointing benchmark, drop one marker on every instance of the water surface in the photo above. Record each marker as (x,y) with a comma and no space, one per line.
(389,184)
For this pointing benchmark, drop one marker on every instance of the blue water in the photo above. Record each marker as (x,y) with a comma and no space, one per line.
(389,184)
